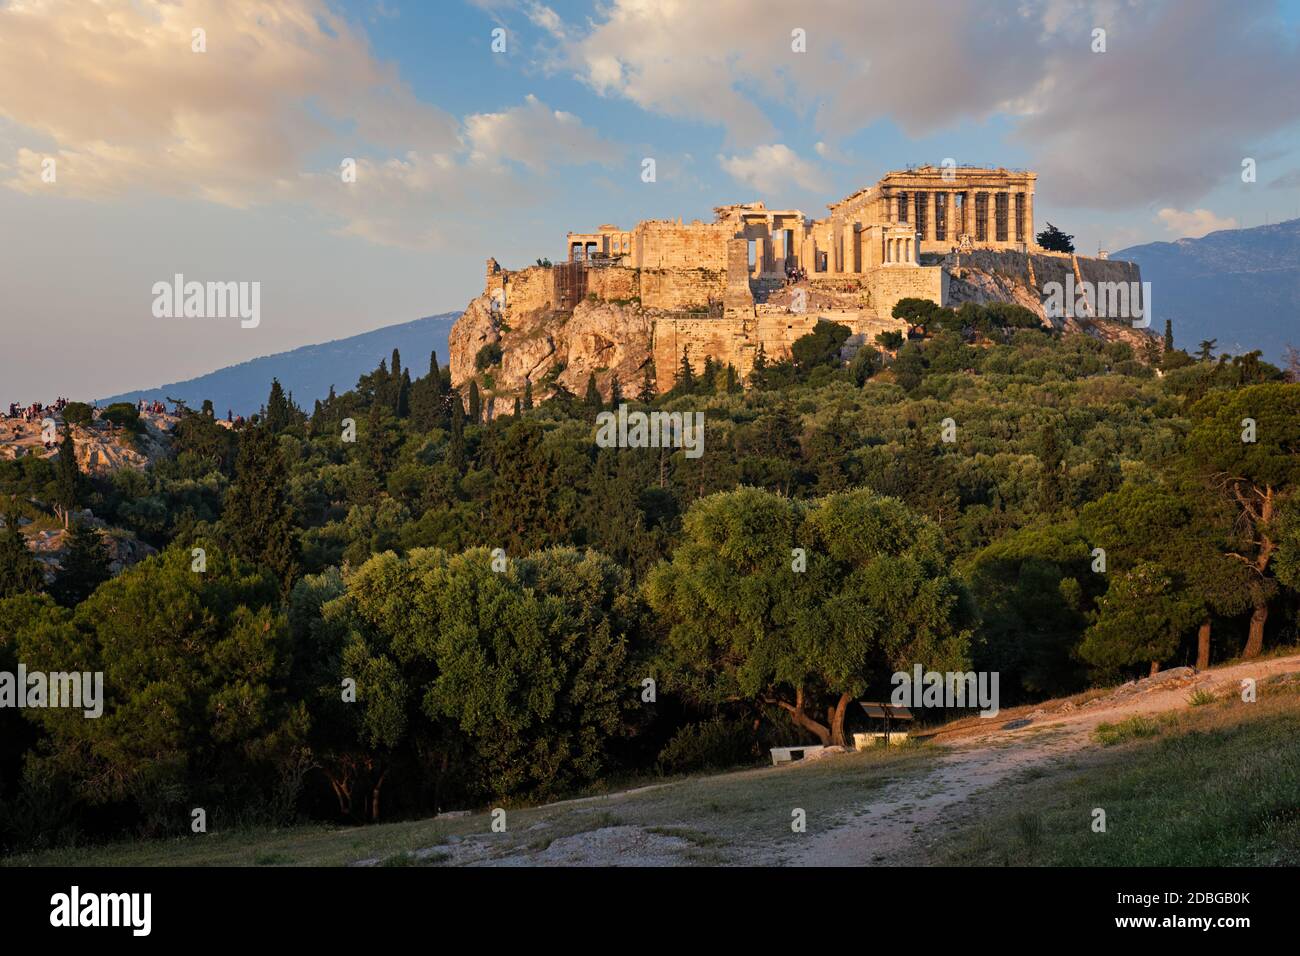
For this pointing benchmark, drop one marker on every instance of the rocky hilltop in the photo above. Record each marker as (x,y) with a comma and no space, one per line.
(529,327)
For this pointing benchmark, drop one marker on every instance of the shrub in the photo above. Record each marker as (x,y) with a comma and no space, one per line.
(77,413)
(124,415)
(488,356)
(712,745)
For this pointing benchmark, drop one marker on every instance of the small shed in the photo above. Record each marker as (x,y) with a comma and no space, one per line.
(886,723)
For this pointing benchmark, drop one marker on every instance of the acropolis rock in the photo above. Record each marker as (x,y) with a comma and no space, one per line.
(760,278)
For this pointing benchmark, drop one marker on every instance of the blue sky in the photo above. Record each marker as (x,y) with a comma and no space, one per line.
(224,164)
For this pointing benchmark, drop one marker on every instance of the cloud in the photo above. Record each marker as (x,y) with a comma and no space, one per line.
(1194,224)
(115,94)
(773,169)
(1185,89)
(1289,180)
(536,136)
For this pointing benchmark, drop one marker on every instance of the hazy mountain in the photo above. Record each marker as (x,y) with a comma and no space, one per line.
(309,371)
(1240,286)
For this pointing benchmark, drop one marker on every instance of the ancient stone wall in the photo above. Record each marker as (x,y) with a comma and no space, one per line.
(614,283)
(889,285)
(682,289)
(668,245)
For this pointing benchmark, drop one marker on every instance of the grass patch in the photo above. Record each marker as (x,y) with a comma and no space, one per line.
(1212,786)
(1134,728)
(723,817)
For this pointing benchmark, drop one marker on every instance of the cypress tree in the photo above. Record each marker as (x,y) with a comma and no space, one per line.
(685,375)
(258,520)
(592,399)
(278,410)
(67,479)
(20,573)
(647,394)
(456,444)
(528,394)
(85,565)
(615,392)
(475,402)
(404,395)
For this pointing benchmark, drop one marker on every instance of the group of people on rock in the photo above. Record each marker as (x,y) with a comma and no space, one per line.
(155,407)
(34,411)
(795,274)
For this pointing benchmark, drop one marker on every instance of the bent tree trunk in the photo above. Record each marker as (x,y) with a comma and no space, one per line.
(837,721)
(800,717)
(1203,646)
(1255,642)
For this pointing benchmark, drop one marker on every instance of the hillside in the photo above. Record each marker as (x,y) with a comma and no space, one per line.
(1240,286)
(1009,790)
(309,371)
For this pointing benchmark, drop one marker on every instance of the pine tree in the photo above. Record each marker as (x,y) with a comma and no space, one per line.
(20,572)
(1205,351)
(85,565)
(258,519)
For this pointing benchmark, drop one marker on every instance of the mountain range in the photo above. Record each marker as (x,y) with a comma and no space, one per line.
(309,371)
(1239,286)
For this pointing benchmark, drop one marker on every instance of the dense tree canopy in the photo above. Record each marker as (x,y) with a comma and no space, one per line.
(414,600)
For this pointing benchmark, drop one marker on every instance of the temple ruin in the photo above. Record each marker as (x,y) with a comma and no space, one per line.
(755,279)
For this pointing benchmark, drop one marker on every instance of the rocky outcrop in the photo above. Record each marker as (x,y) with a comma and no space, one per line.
(612,329)
(602,337)
(100,450)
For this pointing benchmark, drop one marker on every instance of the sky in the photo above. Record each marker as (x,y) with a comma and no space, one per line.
(216,139)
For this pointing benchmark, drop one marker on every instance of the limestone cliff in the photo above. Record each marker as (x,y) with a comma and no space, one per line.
(566,322)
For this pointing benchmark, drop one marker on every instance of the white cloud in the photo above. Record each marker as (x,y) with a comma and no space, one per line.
(773,169)
(1193,224)
(536,136)
(114,93)
(1133,125)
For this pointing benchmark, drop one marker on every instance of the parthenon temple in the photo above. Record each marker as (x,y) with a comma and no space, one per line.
(906,214)
(752,281)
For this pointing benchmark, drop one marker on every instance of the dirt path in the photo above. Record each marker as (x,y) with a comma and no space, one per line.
(886,831)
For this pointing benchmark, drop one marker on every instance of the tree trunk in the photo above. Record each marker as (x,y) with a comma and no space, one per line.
(837,721)
(800,717)
(374,796)
(1255,642)
(1155,668)
(1203,646)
